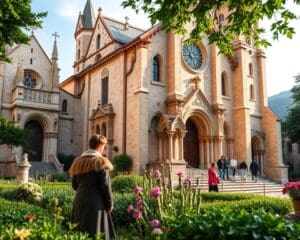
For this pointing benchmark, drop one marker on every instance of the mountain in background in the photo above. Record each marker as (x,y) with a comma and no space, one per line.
(280,103)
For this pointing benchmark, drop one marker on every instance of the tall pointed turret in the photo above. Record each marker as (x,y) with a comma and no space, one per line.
(54,67)
(83,33)
(88,16)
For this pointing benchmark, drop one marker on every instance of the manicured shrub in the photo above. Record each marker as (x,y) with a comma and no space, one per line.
(213,196)
(120,216)
(66,160)
(228,223)
(269,204)
(122,163)
(29,192)
(126,183)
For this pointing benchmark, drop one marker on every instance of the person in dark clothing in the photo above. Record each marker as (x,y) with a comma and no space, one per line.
(220,168)
(254,168)
(243,169)
(93,203)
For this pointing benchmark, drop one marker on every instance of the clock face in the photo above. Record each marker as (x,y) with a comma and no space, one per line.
(192,56)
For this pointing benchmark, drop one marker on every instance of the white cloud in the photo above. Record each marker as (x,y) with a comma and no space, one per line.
(69,8)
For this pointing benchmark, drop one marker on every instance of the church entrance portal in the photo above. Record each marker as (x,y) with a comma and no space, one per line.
(191,144)
(35,140)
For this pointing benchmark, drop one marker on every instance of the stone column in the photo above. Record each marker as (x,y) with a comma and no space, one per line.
(202,156)
(170,152)
(23,169)
(160,146)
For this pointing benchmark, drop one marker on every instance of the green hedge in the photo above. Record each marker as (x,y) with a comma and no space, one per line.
(126,183)
(216,196)
(269,204)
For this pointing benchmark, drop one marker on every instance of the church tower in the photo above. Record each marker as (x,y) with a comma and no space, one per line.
(83,32)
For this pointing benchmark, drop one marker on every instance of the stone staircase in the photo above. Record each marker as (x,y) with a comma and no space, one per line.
(42,168)
(261,186)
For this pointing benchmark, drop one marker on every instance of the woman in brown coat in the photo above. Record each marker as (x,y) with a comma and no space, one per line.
(93,203)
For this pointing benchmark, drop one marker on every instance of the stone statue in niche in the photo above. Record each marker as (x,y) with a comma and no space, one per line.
(55,124)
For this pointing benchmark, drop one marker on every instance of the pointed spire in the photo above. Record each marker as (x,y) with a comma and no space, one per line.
(20,73)
(54,50)
(88,15)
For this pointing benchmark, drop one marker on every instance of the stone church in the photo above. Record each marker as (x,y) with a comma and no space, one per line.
(153,96)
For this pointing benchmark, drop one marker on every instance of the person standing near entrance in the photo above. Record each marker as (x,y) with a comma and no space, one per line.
(213,179)
(254,168)
(233,165)
(93,203)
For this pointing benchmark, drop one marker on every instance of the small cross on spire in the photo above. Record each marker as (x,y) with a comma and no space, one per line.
(55,36)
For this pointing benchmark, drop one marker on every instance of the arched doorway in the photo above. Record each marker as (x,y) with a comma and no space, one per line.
(35,140)
(191,144)
(257,152)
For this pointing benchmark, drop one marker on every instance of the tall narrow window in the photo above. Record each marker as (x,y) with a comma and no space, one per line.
(252,95)
(155,69)
(64,107)
(250,69)
(224,85)
(98,41)
(78,53)
(103,129)
(104,93)
(97,129)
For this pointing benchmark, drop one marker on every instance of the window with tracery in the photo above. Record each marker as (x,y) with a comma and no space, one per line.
(155,69)
(64,106)
(30,80)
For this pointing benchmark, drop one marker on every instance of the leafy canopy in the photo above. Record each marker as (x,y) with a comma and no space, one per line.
(11,135)
(291,126)
(15,18)
(243,18)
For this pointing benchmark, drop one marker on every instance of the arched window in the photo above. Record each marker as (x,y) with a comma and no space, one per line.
(97,129)
(224,84)
(104,87)
(64,107)
(103,129)
(221,18)
(30,79)
(98,41)
(250,69)
(252,95)
(155,69)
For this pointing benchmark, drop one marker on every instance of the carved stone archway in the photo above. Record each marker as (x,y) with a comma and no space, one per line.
(258,151)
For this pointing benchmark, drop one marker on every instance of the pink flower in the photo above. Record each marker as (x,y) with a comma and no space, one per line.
(188,179)
(154,223)
(157,231)
(129,209)
(138,190)
(166,181)
(180,173)
(155,192)
(157,174)
(137,214)
(139,203)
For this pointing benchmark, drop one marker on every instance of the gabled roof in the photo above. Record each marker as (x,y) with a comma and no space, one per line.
(119,32)
(88,15)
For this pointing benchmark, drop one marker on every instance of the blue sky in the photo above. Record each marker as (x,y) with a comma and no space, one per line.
(282,62)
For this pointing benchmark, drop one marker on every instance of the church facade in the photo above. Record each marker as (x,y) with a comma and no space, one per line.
(163,101)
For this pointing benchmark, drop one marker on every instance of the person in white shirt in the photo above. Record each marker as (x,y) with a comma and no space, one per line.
(233,165)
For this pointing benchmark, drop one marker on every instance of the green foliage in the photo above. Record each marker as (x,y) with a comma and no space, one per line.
(243,19)
(227,223)
(67,160)
(122,163)
(291,126)
(29,192)
(15,17)
(9,134)
(216,196)
(120,216)
(268,204)
(18,219)
(126,183)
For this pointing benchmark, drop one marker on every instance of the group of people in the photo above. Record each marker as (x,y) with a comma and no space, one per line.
(223,165)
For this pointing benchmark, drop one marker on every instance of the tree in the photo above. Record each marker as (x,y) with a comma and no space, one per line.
(291,126)
(11,135)
(243,18)
(15,18)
